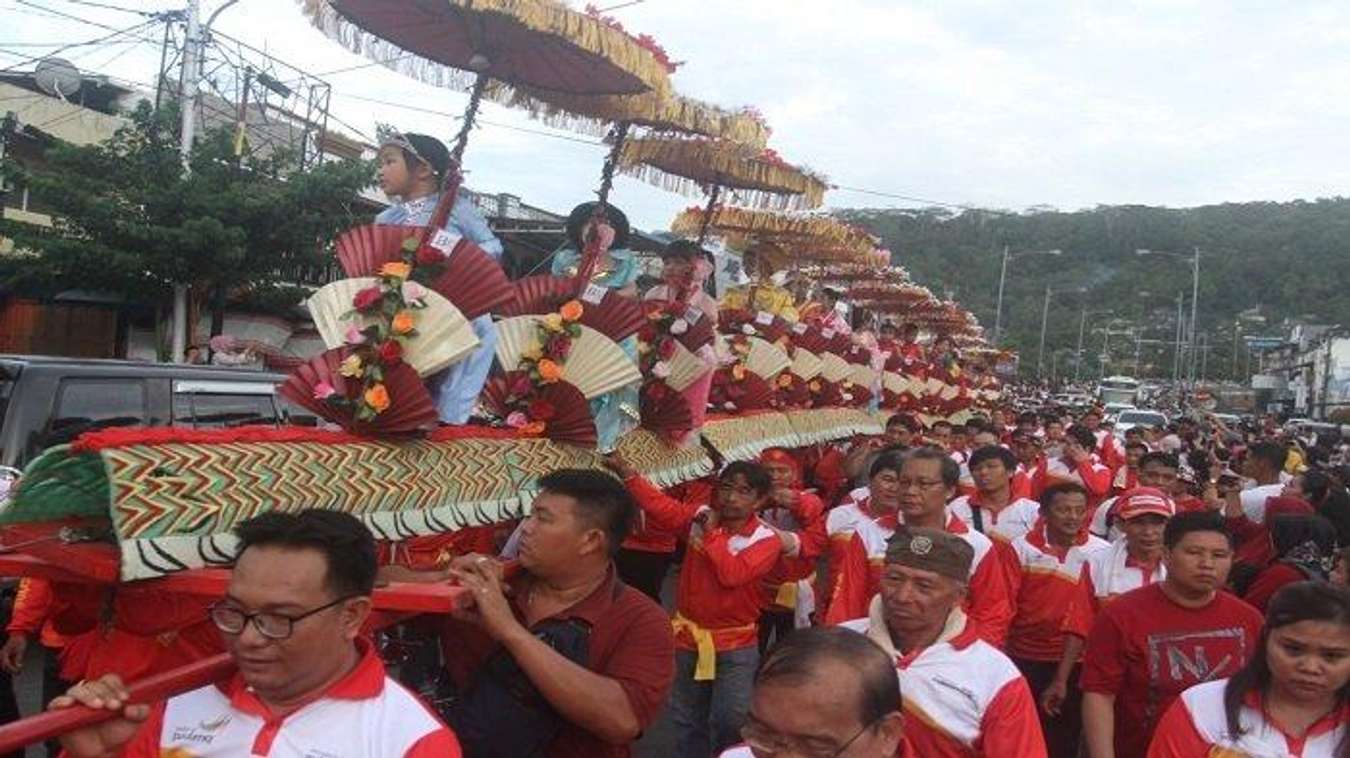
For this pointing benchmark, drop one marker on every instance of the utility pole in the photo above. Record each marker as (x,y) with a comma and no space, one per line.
(1176,358)
(1138,343)
(998,309)
(187,104)
(1195,302)
(1045,320)
(1078,354)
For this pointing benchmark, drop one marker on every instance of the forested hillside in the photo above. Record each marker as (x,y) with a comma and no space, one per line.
(1290,259)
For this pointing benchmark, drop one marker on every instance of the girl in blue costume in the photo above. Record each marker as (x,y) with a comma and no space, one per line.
(616,413)
(411,168)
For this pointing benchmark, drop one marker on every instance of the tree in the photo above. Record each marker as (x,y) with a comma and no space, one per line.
(129,220)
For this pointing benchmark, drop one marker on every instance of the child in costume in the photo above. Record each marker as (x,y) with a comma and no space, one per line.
(411,169)
(616,413)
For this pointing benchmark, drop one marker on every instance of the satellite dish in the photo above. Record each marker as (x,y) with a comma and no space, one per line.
(57,76)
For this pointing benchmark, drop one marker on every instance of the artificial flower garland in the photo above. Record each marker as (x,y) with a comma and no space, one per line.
(388,310)
(540,366)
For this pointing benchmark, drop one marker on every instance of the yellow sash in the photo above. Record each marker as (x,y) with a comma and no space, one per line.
(705,669)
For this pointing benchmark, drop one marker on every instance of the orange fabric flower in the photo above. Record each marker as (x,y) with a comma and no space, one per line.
(377,397)
(396,269)
(533,429)
(785,380)
(549,371)
(403,323)
(571,310)
(738,372)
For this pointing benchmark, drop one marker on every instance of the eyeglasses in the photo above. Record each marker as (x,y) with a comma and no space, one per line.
(273,626)
(923,484)
(764,741)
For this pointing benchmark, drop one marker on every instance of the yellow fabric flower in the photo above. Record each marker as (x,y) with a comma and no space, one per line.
(402,323)
(553,322)
(351,366)
(396,270)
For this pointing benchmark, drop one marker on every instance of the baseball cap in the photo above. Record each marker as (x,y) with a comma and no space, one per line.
(1144,500)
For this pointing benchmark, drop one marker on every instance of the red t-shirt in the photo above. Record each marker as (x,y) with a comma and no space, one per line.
(630,642)
(1146,650)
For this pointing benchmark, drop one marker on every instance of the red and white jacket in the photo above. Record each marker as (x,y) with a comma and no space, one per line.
(857,552)
(950,709)
(1107,574)
(1044,582)
(720,594)
(364,713)
(1195,725)
(1014,520)
(857,549)
(1091,474)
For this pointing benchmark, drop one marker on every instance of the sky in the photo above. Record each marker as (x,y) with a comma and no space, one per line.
(1006,105)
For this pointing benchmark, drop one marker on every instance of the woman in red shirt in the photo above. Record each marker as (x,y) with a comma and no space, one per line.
(1303,550)
(1291,699)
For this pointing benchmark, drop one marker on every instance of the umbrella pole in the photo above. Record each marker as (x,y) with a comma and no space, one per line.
(708,213)
(620,136)
(454,178)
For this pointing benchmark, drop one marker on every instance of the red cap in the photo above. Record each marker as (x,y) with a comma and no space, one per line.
(1142,500)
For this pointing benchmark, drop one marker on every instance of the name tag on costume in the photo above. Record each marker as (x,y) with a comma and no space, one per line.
(594,294)
(445,241)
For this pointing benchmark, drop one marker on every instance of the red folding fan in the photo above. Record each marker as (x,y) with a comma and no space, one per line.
(699,329)
(604,310)
(469,277)
(730,395)
(561,406)
(808,337)
(664,410)
(411,410)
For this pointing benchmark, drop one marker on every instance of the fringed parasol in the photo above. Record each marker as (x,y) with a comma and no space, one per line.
(691,166)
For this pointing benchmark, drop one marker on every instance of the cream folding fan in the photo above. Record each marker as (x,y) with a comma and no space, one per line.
(949,392)
(595,365)
(934,385)
(806,365)
(863,376)
(766,360)
(895,382)
(443,337)
(685,368)
(834,368)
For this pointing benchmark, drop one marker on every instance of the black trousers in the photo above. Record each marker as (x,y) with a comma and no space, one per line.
(774,625)
(643,570)
(1062,732)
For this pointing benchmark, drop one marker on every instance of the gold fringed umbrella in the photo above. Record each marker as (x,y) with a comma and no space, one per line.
(754,223)
(467,43)
(691,166)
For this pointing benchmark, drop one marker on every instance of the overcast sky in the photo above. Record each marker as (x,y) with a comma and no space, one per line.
(1005,105)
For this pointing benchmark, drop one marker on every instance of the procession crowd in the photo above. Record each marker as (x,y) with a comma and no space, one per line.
(1023,583)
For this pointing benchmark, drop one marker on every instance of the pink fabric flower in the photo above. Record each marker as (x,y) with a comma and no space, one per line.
(517,420)
(323,391)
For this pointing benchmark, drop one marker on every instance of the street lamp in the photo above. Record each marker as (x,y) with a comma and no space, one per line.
(1045,320)
(1194,258)
(1082,324)
(1002,277)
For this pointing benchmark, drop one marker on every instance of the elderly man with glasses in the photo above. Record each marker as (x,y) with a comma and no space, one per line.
(308,682)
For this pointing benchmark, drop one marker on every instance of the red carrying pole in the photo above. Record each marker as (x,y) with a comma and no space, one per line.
(151,690)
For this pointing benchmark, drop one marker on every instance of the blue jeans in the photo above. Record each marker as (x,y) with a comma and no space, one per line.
(708,715)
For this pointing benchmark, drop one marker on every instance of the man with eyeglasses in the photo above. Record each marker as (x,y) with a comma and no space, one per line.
(962,697)
(824,692)
(308,682)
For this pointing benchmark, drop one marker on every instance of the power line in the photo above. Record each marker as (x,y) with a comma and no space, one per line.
(105,6)
(924,200)
(485,122)
(99,40)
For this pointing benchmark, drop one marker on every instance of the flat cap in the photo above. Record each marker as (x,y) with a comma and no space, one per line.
(931,550)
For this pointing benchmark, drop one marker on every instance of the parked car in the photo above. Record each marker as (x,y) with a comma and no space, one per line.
(47,401)
(1111,410)
(1136,417)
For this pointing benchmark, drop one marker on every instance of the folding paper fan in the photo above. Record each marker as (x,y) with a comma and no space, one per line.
(839,344)
(699,329)
(410,411)
(833,368)
(664,410)
(805,364)
(604,310)
(731,396)
(469,278)
(809,337)
(443,337)
(863,376)
(685,368)
(894,382)
(568,413)
(595,365)
(933,385)
(857,396)
(766,360)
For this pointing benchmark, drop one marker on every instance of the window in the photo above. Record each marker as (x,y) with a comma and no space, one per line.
(83,405)
(207,410)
